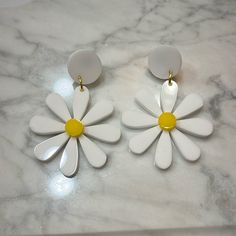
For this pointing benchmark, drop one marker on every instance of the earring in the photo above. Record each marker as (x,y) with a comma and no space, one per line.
(163,120)
(84,66)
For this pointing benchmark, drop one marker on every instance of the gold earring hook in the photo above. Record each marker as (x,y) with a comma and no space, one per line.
(81,83)
(170,77)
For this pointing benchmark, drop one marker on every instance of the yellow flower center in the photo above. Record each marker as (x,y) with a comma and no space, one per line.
(74,128)
(167,121)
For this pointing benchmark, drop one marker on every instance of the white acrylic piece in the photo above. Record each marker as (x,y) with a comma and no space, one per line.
(164,59)
(57,104)
(84,63)
(103,132)
(96,157)
(98,112)
(190,104)
(189,150)
(195,126)
(70,158)
(44,126)
(141,142)
(148,102)
(80,102)
(163,156)
(168,96)
(50,147)
(138,120)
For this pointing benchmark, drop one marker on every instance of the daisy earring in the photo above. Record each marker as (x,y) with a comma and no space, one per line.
(161,118)
(73,132)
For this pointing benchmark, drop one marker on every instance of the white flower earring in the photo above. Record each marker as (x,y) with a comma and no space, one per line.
(84,67)
(161,121)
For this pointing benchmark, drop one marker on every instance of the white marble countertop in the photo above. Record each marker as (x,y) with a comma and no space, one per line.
(129,193)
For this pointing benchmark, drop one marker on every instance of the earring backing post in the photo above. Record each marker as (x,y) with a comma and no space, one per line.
(170,77)
(81,83)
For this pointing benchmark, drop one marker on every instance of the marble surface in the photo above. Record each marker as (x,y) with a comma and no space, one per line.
(129,193)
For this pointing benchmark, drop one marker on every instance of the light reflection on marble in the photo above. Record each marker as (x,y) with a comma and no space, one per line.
(59,186)
(129,193)
(63,87)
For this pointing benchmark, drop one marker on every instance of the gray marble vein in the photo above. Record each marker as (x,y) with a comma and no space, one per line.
(129,194)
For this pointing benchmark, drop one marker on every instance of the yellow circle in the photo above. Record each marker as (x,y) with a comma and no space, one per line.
(74,128)
(167,121)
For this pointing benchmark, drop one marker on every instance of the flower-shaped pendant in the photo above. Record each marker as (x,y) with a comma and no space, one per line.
(69,130)
(168,125)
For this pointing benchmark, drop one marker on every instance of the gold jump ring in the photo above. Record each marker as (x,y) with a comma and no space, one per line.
(81,83)
(170,77)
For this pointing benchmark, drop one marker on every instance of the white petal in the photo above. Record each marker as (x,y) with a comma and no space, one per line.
(96,157)
(141,142)
(148,102)
(70,158)
(195,126)
(48,148)
(163,156)
(45,126)
(168,96)
(80,103)
(103,132)
(187,148)
(137,120)
(99,112)
(190,104)
(57,104)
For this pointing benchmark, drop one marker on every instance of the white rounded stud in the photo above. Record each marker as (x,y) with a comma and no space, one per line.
(85,64)
(164,59)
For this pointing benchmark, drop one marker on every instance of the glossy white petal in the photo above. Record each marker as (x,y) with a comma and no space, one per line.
(70,158)
(103,132)
(195,126)
(99,112)
(96,157)
(44,126)
(190,104)
(163,156)
(168,96)
(80,103)
(141,142)
(134,119)
(189,150)
(48,148)
(57,104)
(148,102)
